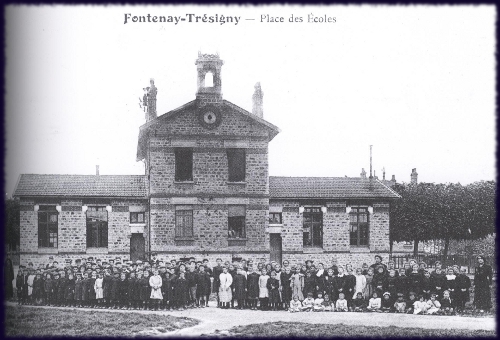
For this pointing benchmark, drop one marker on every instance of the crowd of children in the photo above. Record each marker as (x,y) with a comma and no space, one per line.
(172,285)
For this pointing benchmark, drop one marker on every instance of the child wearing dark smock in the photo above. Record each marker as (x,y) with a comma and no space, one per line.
(274,295)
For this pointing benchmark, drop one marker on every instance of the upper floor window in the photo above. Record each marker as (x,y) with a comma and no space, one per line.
(97,227)
(183,164)
(47,226)
(137,217)
(275,218)
(236,159)
(236,221)
(359,226)
(313,227)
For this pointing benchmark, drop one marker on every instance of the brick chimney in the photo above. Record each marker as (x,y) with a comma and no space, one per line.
(414,176)
(257,99)
(393,180)
(97,170)
(149,100)
(363,173)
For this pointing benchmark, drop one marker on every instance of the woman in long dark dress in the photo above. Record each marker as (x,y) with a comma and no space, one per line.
(482,285)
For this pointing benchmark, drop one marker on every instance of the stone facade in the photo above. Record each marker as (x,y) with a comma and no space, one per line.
(208,126)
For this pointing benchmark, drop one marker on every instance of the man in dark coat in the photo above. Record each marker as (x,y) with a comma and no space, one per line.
(8,272)
(217,270)
(482,285)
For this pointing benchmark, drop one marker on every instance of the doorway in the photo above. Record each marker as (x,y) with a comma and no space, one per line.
(275,243)
(137,247)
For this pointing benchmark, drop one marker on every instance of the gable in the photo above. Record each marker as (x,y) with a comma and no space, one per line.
(186,121)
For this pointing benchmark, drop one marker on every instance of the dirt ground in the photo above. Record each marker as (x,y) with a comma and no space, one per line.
(216,320)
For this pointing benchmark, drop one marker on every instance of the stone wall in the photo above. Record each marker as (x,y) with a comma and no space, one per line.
(379,227)
(210,225)
(336,227)
(72,229)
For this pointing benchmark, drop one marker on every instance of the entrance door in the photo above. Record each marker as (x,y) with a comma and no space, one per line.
(137,247)
(275,242)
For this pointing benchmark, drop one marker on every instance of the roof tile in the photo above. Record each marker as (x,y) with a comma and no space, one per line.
(327,187)
(81,185)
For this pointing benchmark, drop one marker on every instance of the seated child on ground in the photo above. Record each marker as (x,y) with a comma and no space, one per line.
(446,304)
(341,305)
(433,305)
(374,304)
(327,304)
(318,303)
(400,304)
(420,306)
(358,304)
(295,305)
(386,303)
(308,303)
(410,302)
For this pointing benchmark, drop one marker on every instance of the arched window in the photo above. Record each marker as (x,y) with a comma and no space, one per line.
(209,79)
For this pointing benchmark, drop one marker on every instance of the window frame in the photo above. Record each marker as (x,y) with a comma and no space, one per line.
(360,224)
(184,229)
(47,227)
(312,226)
(183,164)
(100,237)
(238,222)
(136,220)
(236,167)
(272,216)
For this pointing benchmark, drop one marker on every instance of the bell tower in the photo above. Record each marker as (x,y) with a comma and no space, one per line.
(209,79)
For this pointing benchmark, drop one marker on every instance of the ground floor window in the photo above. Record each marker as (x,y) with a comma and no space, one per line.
(184,222)
(236,221)
(47,227)
(313,227)
(97,227)
(359,226)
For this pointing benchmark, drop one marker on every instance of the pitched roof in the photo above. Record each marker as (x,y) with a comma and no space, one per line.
(327,187)
(81,185)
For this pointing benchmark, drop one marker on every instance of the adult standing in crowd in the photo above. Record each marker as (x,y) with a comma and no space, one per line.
(482,285)
(8,272)
(378,262)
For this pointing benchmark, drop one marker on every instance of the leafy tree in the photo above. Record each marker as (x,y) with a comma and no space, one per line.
(430,211)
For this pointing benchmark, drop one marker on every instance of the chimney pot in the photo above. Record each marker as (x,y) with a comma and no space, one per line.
(414,176)
(363,173)
(97,170)
(257,99)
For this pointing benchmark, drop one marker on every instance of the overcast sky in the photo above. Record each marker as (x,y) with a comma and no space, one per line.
(417,83)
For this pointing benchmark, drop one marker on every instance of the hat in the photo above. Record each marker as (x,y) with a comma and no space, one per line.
(138,261)
(480,257)
(310,261)
(387,293)
(433,295)
(359,293)
(412,293)
(380,257)
(51,257)
(400,294)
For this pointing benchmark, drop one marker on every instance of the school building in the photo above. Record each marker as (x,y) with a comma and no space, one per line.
(206,193)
